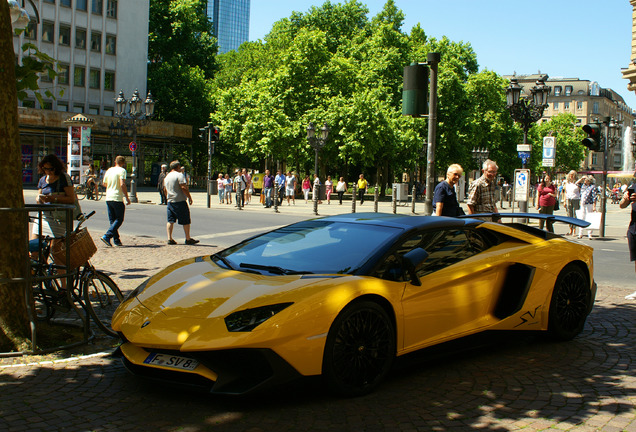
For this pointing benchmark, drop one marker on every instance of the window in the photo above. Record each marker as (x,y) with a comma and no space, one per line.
(64,35)
(594,158)
(568,90)
(557,90)
(28,103)
(618,160)
(31,32)
(556,106)
(566,105)
(81,4)
(111,44)
(62,74)
(48,31)
(96,41)
(66,3)
(109,81)
(78,108)
(109,112)
(79,77)
(93,109)
(111,9)
(80,38)
(45,78)
(47,105)
(62,106)
(97,6)
(595,108)
(49,1)
(579,105)
(94,78)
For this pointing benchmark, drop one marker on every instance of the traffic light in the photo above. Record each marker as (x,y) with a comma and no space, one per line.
(415,91)
(216,132)
(594,137)
(203,134)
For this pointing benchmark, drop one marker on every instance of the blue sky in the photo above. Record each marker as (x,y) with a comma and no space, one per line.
(586,39)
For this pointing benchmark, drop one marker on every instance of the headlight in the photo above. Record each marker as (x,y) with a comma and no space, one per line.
(248,319)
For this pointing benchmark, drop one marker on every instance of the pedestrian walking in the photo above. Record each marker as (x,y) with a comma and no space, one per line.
(328,189)
(279,181)
(306,188)
(239,187)
(572,196)
(362,188)
(481,196)
(116,192)
(630,197)
(268,187)
(228,188)
(162,176)
(547,199)
(444,198)
(177,192)
(341,188)
(589,196)
(220,187)
(290,187)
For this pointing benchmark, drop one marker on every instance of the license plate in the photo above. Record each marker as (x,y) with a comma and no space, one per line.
(171,361)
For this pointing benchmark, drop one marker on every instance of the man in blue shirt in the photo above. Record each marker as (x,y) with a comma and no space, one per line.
(444,198)
(280,185)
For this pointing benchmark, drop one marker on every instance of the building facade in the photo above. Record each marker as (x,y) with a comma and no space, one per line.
(231,19)
(590,103)
(100,47)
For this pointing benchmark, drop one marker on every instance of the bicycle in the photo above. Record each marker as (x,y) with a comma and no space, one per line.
(91,289)
(83,190)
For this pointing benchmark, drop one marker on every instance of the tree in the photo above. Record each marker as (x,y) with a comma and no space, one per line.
(14,329)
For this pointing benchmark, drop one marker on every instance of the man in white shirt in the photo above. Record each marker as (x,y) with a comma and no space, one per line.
(177,192)
(116,191)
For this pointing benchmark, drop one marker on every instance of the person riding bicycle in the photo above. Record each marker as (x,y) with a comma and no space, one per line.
(91,183)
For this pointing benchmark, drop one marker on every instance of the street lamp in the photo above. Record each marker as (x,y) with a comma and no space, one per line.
(131,120)
(526,111)
(480,156)
(19,16)
(317,142)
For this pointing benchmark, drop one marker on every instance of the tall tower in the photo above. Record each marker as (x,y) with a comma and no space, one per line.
(231,19)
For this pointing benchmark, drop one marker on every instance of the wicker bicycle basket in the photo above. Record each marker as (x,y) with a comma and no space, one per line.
(82,249)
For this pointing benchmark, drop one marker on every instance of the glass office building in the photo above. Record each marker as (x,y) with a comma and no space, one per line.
(231,20)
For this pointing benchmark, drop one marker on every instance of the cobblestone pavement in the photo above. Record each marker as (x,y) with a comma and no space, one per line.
(519,383)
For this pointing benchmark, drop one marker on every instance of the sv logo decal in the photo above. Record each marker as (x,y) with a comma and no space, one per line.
(527,316)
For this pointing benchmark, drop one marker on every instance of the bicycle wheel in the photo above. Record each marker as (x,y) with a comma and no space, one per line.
(102,297)
(80,191)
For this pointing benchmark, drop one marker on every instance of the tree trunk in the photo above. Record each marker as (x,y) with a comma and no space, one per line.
(14,327)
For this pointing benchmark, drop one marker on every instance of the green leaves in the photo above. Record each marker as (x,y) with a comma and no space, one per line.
(34,64)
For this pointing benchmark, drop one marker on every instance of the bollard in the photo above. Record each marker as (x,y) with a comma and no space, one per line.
(375,199)
(276,198)
(394,199)
(354,191)
(413,202)
(315,199)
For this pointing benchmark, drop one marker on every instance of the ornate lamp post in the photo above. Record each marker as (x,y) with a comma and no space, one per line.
(317,142)
(131,120)
(480,156)
(19,16)
(526,111)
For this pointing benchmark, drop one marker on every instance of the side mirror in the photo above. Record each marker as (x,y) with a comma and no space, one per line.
(412,259)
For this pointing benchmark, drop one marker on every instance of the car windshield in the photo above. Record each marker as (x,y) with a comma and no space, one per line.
(322,247)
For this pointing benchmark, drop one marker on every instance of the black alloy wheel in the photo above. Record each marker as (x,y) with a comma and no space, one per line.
(360,349)
(570,303)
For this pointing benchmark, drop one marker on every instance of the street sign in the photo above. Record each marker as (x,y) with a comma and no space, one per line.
(549,151)
(522,184)
(132,146)
(524,147)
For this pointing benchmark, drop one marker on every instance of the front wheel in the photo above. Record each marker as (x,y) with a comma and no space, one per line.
(359,350)
(102,297)
(80,191)
(570,303)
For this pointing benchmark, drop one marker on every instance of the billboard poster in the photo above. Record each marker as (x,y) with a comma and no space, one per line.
(79,152)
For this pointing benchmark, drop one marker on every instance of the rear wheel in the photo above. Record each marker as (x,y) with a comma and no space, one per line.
(102,297)
(360,349)
(570,303)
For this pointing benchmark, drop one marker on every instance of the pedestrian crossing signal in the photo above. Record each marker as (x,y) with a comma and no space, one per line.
(593,140)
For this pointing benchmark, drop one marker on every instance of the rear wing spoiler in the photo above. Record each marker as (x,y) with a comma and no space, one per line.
(495,217)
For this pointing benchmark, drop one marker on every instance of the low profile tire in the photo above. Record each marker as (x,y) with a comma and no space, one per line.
(360,349)
(570,303)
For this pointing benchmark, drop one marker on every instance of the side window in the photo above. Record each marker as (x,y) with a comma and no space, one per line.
(445,248)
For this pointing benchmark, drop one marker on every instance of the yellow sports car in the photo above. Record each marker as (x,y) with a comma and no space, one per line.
(342,296)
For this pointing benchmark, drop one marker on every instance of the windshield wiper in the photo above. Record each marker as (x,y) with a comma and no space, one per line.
(223,260)
(273,269)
